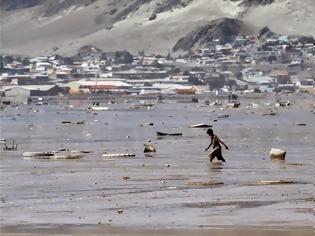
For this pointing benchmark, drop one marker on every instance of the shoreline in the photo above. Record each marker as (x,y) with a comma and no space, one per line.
(133,231)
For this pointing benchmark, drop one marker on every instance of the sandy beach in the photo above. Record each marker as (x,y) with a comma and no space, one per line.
(175,191)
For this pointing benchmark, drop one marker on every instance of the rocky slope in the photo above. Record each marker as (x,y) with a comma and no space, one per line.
(155,26)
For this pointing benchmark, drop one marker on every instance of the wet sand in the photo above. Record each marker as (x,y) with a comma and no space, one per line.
(80,194)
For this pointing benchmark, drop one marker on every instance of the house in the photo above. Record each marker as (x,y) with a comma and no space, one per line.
(280,76)
(17,79)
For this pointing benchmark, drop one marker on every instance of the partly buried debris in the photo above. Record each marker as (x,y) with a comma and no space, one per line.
(12,148)
(118,155)
(277,154)
(204,184)
(168,134)
(201,125)
(274,182)
(149,148)
(61,154)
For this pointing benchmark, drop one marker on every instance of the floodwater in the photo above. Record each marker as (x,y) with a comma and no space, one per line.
(159,192)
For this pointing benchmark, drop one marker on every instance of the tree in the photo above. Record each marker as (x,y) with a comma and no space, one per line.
(141,53)
(1,62)
(67,61)
(7,60)
(25,61)
(123,57)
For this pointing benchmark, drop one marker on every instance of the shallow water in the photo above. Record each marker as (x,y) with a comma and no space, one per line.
(91,190)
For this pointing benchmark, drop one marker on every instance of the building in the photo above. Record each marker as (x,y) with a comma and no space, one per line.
(98,86)
(33,90)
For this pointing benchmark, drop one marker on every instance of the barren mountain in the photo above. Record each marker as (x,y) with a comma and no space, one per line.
(155,26)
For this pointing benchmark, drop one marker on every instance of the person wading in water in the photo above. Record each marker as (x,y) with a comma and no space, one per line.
(216,152)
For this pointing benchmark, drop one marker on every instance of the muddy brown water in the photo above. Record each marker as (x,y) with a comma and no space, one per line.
(95,190)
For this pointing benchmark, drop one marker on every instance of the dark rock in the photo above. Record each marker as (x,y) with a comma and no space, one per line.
(225,29)
(266,33)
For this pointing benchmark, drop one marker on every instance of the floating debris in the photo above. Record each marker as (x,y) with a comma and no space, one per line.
(216,103)
(301,124)
(168,134)
(223,116)
(271,113)
(149,148)
(278,154)
(233,104)
(118,155)
(201,125)
(283,104)
(74,123)
(203,184)
(97,108)
(38,154)
(146,124)
(294,164)
(68,155)
(194,100)
(86,151)
(274,182)
(7,148)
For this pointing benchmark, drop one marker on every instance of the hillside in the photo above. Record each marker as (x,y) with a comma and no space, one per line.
(35,27)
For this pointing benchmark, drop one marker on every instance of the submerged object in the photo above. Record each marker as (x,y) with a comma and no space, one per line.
(278,154)
(168,134)
(201,125)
